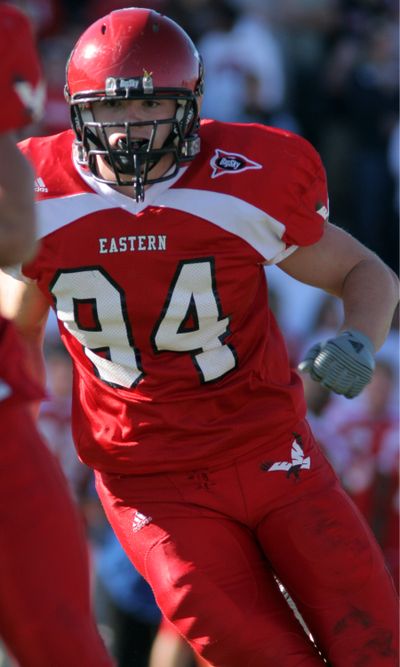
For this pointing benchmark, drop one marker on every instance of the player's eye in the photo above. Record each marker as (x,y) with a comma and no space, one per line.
(150,104)
(111,103)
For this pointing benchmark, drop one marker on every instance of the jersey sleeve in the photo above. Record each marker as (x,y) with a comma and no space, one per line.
(20,73)
(306,198)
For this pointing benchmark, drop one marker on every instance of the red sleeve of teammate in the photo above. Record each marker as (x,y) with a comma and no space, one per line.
(20,74)
(307,204)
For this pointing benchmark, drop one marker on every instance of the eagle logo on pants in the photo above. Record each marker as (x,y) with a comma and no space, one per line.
(293,467)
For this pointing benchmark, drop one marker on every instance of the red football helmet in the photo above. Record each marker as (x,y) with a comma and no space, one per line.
(134,54)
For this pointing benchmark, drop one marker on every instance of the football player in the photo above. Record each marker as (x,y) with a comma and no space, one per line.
(45,614)
(155,230)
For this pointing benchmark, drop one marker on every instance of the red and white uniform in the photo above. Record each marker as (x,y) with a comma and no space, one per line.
(185,404)
(23,93)
(20,73)
(163,305)
(45,612)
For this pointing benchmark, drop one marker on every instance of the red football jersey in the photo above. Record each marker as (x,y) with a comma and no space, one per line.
(163,304)
(20,75)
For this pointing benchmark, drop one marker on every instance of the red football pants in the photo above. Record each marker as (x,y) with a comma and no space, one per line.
(45,615)
(208,542)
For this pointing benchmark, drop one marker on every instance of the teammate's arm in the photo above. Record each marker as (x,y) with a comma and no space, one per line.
(25,304)
(17,217)
(369,290)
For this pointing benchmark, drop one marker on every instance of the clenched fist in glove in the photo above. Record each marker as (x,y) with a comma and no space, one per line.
(344,364)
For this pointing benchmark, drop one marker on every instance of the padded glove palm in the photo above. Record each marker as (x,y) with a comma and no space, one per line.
(344,364)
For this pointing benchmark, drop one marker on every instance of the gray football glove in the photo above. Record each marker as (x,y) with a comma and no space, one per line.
(344,364)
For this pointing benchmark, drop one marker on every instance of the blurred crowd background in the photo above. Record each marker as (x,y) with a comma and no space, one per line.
(329,70)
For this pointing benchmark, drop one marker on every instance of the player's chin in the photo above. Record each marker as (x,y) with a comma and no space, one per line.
(126,176)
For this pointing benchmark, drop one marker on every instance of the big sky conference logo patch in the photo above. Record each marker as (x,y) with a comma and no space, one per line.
(223,162)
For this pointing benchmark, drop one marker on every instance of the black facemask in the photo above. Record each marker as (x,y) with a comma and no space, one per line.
(131,156)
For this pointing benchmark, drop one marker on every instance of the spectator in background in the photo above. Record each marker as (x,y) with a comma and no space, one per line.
(124,603)
(197,17)
(365,457)
(170,650)
(244,67)
(47,17)
(305,28)
(364,450)
(360,86)
(322,322)
(370,96)
(91,10)
(55,419)
(54,51)
(394,163)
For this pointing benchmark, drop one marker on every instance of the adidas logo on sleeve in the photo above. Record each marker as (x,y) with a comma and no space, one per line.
(39,185)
